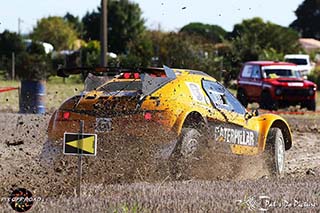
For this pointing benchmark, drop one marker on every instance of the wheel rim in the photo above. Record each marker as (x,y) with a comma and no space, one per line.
(280,156)
(189,147)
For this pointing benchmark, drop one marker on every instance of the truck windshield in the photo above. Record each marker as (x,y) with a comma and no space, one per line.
(276,73)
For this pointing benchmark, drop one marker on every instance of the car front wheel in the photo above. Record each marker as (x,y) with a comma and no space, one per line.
(275,149)
(311,105)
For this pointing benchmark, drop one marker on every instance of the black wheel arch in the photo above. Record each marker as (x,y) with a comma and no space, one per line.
(285,132)
(194,120)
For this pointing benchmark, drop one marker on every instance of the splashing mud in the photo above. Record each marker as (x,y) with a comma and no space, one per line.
(144,178)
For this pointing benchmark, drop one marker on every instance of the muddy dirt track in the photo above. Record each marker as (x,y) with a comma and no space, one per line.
(149,189)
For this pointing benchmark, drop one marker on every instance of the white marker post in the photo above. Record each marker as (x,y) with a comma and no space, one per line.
(80,143)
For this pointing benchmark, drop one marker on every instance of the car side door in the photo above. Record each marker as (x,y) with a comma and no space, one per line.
(256,81)
(233,129)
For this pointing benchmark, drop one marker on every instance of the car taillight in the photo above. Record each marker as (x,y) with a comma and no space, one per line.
(66,115)
(126,75)
(63,116)
(136,75)
(147,116)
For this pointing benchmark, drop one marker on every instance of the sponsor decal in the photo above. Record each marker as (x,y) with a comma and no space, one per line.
(103,125)
(195,91)
(237,136)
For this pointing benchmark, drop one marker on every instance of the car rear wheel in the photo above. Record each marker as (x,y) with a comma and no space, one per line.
(275,149)
(189,141)
(267,102)
(186,148)
(241,96)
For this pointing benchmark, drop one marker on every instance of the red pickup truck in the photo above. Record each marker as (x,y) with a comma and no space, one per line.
(275,84)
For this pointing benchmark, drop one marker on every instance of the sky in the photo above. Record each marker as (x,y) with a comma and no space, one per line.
(168,15)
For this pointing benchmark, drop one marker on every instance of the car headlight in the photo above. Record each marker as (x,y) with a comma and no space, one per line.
(312,91)
(278,91)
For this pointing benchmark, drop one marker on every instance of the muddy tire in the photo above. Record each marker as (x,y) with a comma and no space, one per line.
(311,105)
(186,148)
(275,149)
(241,96)
(189,142)
(267,102)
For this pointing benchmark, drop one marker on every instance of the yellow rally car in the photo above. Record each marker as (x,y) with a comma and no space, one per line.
(179,106)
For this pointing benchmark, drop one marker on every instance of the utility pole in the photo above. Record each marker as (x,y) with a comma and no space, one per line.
(13,66)
(19,25)
(104,33)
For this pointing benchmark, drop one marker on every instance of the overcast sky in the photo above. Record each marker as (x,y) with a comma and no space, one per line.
(169,15)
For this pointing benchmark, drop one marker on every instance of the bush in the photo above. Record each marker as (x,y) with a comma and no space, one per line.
(90,56)
(34,64)
(315,76)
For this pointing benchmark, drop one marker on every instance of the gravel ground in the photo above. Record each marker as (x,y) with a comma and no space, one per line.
(23,136)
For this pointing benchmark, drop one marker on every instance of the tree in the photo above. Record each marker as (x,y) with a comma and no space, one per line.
(90,56)
(140,52)
(181,50)
(213,33)
(254,39)
(253,36)
(11,42)
(75,22)
(124,24)
(55,30)
(34,64)
(308,19)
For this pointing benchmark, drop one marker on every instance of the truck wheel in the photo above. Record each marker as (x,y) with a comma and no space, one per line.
(181,159)
(241,96)
(311,105)
(275,149)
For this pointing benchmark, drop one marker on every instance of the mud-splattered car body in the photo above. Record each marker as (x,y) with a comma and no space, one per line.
(167,102)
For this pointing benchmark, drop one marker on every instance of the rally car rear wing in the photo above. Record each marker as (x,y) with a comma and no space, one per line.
(107,71)
(150,81)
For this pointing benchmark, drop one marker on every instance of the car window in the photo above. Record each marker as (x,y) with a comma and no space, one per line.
(297,61)
(276,73)
(221,97)
(256,72)
(247,71)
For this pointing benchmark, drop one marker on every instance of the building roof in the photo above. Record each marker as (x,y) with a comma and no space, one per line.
(309,44)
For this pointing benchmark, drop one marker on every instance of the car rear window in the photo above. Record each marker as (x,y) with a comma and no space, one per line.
(297,61)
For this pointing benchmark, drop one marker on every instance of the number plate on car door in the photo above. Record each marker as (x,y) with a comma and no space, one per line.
(103,124)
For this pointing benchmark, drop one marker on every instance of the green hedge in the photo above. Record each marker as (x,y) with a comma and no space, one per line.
(315,76)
